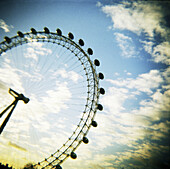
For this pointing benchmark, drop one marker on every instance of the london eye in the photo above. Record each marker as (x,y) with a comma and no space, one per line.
(49,96)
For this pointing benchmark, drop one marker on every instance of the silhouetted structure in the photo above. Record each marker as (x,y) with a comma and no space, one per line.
(13,105)
(4,166)
(29,166)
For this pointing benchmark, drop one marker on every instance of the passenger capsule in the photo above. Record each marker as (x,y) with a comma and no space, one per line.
(101,76)
(20,34)
(96,62)
(85,140)
(94,123)
(99,107)
(90,51)
(46,30)
(70,35)
(73,155)
(81,42)
(33,31)
(59,32)
(7,39)
(102,91)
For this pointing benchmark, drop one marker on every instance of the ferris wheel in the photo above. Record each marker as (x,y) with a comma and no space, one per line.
(56,84)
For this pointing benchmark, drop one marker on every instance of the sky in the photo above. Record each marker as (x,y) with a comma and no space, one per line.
(132,41)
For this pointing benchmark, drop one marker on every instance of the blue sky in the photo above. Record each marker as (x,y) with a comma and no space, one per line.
(131,40)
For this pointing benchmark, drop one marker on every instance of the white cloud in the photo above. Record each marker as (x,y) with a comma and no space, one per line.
(127,73)
(143,83)
(3,86)
(35,50)
(166,75)
(116,74)
(10,77)
(121,17)
(157,107)
(126,44)
(141,17)
(148,45)
(161,53)
(98,4)
(95,161)
(57,99)
(72,75)
(115,99)
(4,26)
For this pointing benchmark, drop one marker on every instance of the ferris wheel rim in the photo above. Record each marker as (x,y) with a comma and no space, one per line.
(92,100)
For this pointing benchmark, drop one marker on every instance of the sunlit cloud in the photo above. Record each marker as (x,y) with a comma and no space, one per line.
(57,99)
(143,83)
(161,53)
(16,146)
(141,17)
(4,26)
(10,77)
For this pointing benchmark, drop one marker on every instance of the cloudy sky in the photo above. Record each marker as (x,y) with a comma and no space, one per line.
(132,42)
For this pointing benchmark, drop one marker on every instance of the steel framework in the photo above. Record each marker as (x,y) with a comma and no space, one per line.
(92,101)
